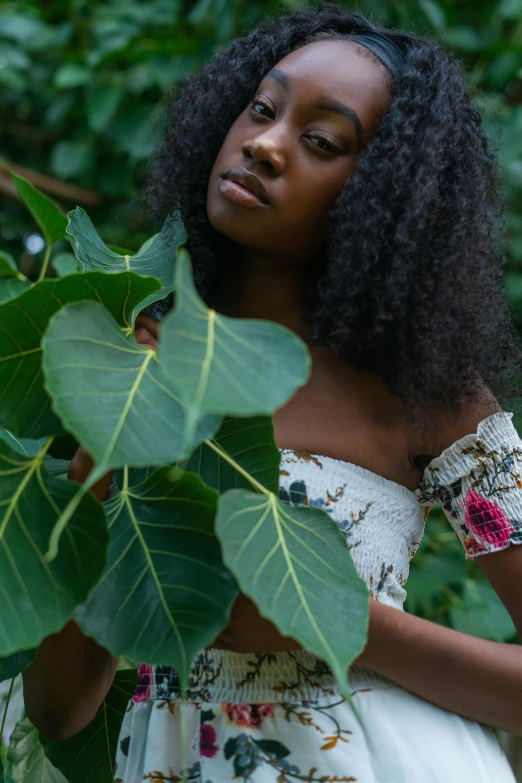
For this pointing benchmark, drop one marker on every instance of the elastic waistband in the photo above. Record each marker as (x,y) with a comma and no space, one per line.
(241,678)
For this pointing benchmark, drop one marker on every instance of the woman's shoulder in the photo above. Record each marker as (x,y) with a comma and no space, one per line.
(445,430)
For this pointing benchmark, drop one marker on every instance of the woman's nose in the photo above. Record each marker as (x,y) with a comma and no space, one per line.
(267,148)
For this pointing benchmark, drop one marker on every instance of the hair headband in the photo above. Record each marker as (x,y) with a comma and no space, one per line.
(386,50)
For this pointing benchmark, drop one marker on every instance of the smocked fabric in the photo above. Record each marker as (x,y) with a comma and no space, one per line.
(478,482)
(381,520)
(279,717)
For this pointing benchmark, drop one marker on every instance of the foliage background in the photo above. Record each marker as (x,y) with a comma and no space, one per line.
(80,84)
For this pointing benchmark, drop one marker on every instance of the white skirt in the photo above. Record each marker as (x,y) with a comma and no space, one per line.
(279,718)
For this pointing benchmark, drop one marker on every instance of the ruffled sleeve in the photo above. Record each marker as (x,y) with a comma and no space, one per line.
(478,482)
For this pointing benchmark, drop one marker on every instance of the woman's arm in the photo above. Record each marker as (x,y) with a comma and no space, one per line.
(67,682)
(476,678)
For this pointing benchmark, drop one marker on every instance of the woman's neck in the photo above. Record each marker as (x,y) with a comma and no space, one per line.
(273,289)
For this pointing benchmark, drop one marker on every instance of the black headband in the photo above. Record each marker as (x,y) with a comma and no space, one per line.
(386,50)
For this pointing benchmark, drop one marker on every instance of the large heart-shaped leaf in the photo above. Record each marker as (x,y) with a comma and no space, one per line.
(294,562)
(12,665)
(29,764)
(89,756)
(227,365)
(241,446)
(165,593)
(47,214)
(24,405)
(155,257)
(110,393)
(36,598)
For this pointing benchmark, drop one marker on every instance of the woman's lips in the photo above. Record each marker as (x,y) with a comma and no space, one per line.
(238,194)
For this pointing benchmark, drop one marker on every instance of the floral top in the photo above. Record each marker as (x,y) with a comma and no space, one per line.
(477,481)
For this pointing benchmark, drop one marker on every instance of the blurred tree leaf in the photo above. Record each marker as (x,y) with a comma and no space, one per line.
(71,75)
(101,103)
(482,613)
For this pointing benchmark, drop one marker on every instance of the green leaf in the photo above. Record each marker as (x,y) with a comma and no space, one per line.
(165,593)
(110,392)
(11,288)
(227,365)
(482,613)
(434,13)
(65,264)
(12,78)
(250,444)
(12,665)
(24,404)
(315,594)
(510,9)
(26,754)
(29,447)
(136,130)
(72,158)
(467,39)
(101,103)
(47,214)
(71,75)
(93,750)
(37,598)
(122,251)
(155,257)
(429,575)
(8,267)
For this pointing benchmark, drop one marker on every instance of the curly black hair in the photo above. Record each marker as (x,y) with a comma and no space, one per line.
(414,294)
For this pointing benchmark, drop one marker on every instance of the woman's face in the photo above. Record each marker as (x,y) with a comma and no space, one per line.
(311,118)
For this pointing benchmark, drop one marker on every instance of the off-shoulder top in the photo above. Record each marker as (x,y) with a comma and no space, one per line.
(477,481)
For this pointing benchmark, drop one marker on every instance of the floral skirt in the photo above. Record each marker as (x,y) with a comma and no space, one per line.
(279,718)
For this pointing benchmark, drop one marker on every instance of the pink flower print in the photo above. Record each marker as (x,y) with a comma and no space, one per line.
(142,692)
(207,741)
(486,519)
(250,716)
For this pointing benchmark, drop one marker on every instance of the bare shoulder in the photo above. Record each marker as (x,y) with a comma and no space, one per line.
(445,430)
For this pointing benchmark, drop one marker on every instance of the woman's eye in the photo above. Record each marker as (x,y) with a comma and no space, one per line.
(329,147)
(258,103)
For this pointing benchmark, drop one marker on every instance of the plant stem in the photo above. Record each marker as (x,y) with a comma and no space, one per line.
(223,454)
(6,708)
(45,262)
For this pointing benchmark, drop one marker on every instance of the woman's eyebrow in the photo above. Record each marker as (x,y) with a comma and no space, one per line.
(325,102)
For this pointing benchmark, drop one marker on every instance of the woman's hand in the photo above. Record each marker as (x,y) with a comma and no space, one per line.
(146,333)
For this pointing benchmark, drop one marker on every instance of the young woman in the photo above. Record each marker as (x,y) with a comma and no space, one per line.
(334,177)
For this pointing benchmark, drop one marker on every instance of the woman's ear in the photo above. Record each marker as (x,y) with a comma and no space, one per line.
(146,331)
